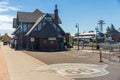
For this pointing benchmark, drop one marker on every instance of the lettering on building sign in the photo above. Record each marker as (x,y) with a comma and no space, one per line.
(32,39)
(51,38)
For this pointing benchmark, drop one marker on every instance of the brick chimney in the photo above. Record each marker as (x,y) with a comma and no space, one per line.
(56,14)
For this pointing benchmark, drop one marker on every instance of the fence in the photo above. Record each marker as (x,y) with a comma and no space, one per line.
(111,51)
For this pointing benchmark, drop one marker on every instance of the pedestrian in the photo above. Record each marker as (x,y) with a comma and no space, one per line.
(9,43)
(65,44)
(15,42)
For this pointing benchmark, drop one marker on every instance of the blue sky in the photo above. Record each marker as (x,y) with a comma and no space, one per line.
(86,13)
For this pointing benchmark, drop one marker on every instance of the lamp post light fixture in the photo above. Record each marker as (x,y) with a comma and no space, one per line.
(77,26)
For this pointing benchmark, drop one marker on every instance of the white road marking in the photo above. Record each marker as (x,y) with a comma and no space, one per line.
(75,70)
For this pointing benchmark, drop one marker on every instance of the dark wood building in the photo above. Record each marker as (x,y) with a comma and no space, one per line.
(38,30)
(115,35)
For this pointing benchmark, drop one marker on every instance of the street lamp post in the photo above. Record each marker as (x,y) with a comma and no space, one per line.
(96,30)
(77,26)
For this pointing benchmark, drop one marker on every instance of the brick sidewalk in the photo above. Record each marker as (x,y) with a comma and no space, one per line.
(3,68)
(23,67)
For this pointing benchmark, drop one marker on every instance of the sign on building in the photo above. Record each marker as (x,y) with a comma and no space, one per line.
(32,39)
(51,38)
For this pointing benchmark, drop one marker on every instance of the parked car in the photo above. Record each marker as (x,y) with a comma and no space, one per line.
(5,43)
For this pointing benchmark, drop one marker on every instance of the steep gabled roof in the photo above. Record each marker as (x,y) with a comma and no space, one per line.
(36,23)
(29,16)
(114,32)
(50,31)
(47,28)
(59,20)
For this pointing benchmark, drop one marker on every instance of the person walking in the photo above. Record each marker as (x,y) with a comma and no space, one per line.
(15,42)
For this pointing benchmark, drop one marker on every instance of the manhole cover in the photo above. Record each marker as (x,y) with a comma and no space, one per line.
(75,70)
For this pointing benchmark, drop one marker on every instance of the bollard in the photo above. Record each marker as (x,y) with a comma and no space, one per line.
(100,56)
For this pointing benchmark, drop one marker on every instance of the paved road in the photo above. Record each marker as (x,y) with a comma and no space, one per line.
(79,57)
(23,67)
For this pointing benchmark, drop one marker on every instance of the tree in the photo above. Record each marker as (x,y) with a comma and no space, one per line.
(76,34)
(112,27)
(5,37)
(108,30)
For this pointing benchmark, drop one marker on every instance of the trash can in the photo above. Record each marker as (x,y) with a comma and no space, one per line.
(97,47)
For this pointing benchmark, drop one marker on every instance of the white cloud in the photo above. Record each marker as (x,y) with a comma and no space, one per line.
(3,3)
(4,6)
(6,22)
(6,18)
(6,26)
(13,8)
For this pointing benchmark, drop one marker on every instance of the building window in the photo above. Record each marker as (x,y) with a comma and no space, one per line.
(36,28)
(45,42)
(44,23)
(24,27)
(29,26)
(39,27)
(48,19)
(55,26)
(52,42)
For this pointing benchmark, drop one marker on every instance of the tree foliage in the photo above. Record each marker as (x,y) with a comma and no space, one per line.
(110,29)
(5,37)
(76,34)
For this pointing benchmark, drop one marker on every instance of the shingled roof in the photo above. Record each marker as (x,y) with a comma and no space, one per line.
(36,23)
(29,16)
(48,30)
(114,33)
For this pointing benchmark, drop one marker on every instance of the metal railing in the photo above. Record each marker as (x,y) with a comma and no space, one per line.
(111,51)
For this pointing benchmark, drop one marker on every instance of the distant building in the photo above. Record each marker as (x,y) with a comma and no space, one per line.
(101,37)
(87,37)
(38,30)
(115,35)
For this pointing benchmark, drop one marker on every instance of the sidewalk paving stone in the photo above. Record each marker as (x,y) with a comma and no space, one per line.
(21,66)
